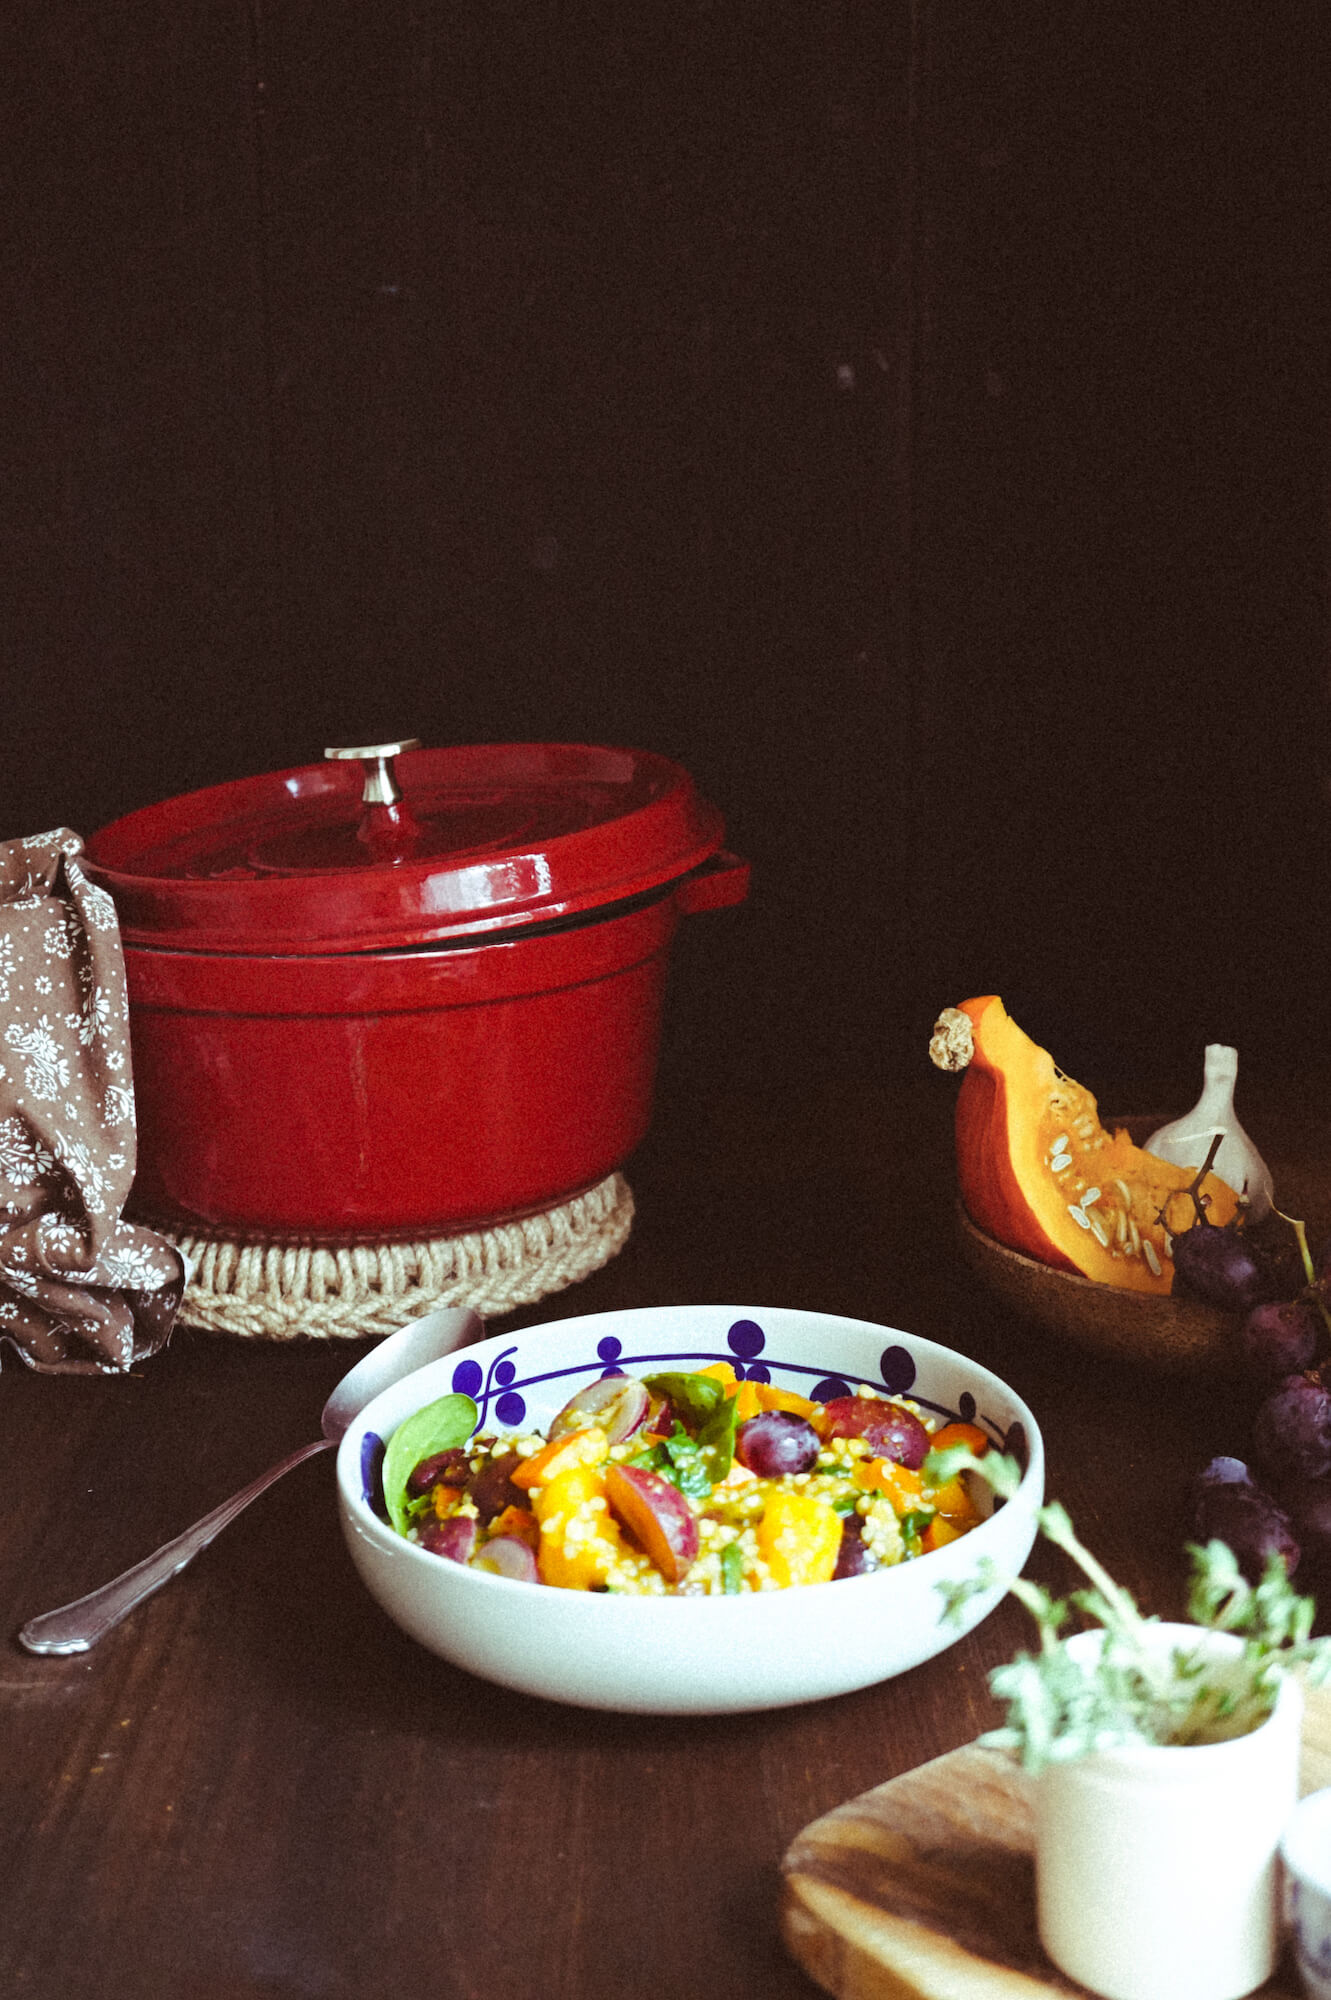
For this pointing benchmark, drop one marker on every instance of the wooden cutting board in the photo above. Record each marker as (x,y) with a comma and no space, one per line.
(924,1888)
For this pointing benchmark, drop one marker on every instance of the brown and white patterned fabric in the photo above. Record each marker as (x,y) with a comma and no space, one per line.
(81,1291)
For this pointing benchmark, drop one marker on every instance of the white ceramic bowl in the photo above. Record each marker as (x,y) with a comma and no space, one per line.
(682,1655)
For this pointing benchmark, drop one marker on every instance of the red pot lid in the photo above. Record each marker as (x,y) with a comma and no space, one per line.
(390,846)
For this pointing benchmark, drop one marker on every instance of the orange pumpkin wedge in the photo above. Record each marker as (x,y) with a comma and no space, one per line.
(1037,1170)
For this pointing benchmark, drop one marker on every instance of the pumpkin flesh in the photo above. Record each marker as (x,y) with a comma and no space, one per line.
(1038,1171)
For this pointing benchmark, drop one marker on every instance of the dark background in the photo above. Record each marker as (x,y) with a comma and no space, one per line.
(911,417)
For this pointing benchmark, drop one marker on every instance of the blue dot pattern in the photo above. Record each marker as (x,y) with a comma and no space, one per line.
(467,1377)
(898,1370)
(746,1338)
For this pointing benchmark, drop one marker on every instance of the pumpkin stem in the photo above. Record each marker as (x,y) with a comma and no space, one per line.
(953,1042)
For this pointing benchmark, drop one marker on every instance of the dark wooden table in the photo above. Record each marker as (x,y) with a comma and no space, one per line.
(259,1787)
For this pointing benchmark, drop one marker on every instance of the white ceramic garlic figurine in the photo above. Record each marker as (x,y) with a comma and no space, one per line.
(1186,1140)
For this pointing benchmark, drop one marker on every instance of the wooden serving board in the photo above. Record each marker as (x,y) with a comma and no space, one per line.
(924,1888)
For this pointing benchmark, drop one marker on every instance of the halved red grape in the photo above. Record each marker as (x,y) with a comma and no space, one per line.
(854,1557)
(454,1538)
(776,1443)
(507,1555)
(657,1515)
(892,1432)
(618,1403)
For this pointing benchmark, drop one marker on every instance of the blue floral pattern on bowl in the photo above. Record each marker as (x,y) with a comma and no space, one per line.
(497,1391)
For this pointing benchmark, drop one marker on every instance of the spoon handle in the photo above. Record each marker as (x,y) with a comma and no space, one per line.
(73,1628)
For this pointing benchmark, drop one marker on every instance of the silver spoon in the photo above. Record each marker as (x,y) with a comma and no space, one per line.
(73,1628)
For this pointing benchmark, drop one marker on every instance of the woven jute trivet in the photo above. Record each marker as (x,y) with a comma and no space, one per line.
(292,1291)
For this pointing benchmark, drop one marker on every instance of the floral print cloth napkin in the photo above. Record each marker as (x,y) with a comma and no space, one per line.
(81,1291)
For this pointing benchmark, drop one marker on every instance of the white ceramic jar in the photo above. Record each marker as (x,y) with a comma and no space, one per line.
(1157,1874)
(1307,1856)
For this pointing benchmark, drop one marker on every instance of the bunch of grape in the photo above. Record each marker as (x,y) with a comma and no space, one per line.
(1266,1277)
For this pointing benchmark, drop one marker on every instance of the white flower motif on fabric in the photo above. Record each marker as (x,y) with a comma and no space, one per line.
(24,1160)
(61,1237)
(99,1018)
(8,1309)
(118,1105)
(61,940)
(77,1159)
(97,906)
(7,964)
(114,1059)
(47,1070)
(134,1266)
(41,984)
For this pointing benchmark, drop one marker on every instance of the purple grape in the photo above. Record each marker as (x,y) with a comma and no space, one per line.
(1215,1264)
(454,1538)
(776,1443)
(1238,1511)
(853,1557)
(891,1431)
(1308,1505)
(1291,1431)
(1279,1339)
(1225,1472)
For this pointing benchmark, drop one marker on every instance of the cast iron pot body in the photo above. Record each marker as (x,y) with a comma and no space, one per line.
(493,1055)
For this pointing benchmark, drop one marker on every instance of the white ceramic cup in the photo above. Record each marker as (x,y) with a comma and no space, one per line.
(1157,1872)
(1306,1851)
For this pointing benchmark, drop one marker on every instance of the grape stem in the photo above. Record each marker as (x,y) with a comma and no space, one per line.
(1201,1202)
(1309,1269)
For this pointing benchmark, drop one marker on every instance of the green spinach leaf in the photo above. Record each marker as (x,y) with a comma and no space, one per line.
(716,1438)
(692,1398)
(438,1427)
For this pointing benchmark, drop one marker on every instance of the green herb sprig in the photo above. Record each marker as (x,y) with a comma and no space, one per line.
(1133,1691)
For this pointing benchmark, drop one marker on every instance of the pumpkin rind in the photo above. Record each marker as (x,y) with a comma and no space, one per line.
(1017,1118)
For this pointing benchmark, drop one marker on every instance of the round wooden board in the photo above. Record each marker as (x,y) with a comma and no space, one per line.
(924,1888)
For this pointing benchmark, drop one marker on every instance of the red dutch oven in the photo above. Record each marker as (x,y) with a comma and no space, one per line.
(403,992)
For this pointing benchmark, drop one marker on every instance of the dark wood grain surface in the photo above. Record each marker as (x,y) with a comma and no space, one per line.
(259,1787)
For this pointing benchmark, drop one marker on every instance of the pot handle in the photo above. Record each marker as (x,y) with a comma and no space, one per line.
(722,881)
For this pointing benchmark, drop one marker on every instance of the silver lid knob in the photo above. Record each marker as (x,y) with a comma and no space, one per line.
(381,787)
